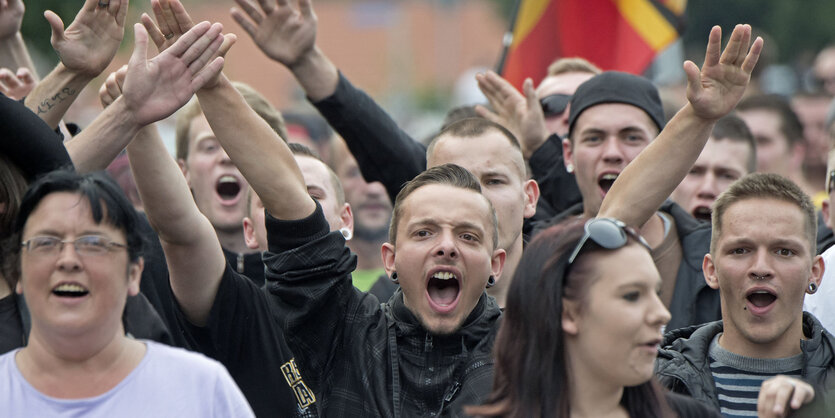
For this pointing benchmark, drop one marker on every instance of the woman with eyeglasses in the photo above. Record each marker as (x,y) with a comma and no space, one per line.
(79,258)
(581,328)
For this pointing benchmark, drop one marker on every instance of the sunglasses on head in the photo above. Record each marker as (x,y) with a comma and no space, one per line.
(608,233)
(554,104)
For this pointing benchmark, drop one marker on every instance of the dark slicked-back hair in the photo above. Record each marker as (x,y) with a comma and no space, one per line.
(732,128)
(531,375)
(764,186)
(790,125)
(108,204)
(445,174)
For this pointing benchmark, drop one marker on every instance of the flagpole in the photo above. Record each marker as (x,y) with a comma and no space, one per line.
(507,39)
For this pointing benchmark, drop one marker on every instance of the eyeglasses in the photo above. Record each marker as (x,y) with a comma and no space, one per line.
(87,245)
(830,182)
(554,104)
(608,233)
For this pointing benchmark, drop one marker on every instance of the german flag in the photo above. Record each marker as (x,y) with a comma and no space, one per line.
(621,35)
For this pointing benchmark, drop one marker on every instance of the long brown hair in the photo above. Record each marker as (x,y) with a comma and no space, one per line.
(531,376)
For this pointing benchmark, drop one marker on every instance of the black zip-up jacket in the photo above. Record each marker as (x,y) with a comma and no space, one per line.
(361,357)
(683,365)
(694,302)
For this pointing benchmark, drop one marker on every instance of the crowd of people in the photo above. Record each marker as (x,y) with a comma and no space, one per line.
(566,250)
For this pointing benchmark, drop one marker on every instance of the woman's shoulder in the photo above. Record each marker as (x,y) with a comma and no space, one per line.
(687,407)
(179,360)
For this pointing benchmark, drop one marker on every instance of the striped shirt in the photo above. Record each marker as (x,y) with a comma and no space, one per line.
(738,378)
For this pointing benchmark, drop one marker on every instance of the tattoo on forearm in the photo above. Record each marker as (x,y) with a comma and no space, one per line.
(50,102)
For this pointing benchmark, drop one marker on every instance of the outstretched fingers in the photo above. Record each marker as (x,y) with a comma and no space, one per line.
(140,46)
(269,6)
(209,72)
(189,38)
(207,54)
(753,56)
(167,16)
(251,10)
(181,16)
(56,24)
(210,42)
(153,31)
(306,8)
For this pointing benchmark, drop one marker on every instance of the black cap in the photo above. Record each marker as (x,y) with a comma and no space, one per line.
(617,87)
(28,141)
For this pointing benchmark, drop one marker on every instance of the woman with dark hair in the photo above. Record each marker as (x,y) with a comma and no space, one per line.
(581,328)
(79,257)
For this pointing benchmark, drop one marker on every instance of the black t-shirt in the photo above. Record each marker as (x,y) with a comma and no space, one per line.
(11,329)
(243,333)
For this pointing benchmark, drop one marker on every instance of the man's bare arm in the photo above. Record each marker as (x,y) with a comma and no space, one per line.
(712,92)
(85,49)
(154,89)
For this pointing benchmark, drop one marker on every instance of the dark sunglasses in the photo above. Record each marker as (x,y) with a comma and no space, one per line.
(608,233)
(830,182)
(554,104)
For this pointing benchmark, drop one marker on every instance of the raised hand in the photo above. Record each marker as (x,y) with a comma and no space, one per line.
(89,43)
(780,395)
(284,33)
(156,88)
(172,21)
(16,85)
(715,90)
(111,89)
(11,17)
(522,115)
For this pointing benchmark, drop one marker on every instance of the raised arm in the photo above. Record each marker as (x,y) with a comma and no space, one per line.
(712,92)
(287,35)
(85,48)
(13,52)
(154,89)
(192,251)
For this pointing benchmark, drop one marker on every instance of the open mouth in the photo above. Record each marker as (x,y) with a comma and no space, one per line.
(70,290)
(443,290)
(702,213)
(606,181)
(228,188)
(760,300)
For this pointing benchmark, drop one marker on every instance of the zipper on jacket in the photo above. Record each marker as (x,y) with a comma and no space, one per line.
(450,393)
(240,263)
(427,345)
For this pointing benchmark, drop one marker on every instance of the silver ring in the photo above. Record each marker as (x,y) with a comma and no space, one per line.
(169,36)
(103,4)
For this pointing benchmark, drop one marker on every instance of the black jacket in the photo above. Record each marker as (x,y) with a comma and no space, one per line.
(683,365)
(694,302)
(387,154)
(361,357)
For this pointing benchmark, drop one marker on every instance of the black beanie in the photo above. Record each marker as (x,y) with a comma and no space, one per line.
(617,87)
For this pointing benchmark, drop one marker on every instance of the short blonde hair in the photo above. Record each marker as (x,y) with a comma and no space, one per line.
(572,65)
(764,186)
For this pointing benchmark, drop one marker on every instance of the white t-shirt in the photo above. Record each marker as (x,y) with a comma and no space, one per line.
(822,303)
(168,382)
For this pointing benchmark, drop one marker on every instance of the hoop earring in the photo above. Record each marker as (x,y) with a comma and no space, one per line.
(393,277)
(812,288)
(491,281)
(346,233)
